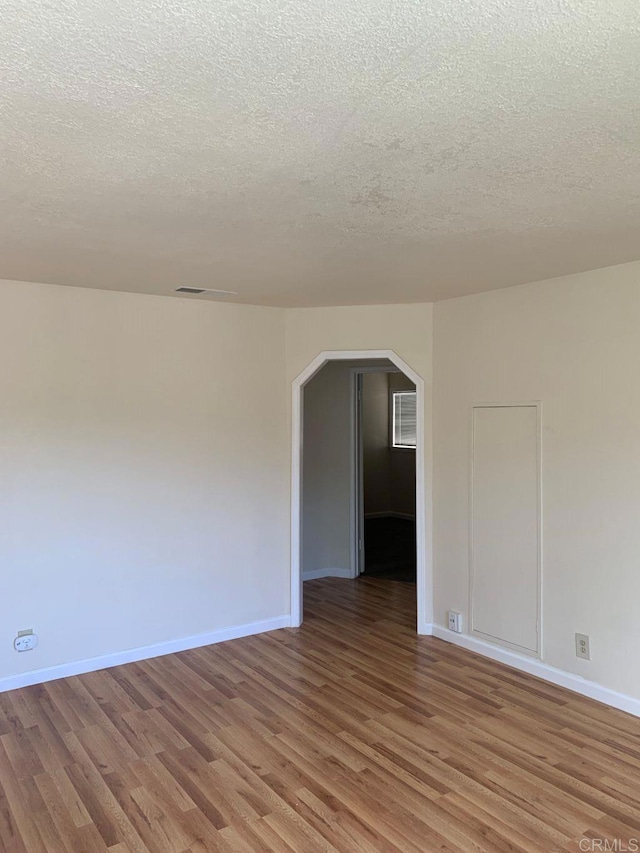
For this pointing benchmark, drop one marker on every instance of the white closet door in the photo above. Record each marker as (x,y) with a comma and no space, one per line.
(505,559)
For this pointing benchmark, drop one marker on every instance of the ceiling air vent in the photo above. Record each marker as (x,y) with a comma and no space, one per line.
(198,290)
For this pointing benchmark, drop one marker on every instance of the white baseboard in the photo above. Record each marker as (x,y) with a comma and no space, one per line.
(39,676)
(532,666)
(390,514)
(561,677)
(326,573)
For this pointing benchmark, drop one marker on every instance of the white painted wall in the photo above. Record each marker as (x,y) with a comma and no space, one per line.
(505,526)
(574,344)
(144,469)
(405,329)
(145,460)
(326,494)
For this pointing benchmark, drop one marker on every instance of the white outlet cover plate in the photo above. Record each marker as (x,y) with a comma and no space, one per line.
(455,621)
(583,649)
(25,643)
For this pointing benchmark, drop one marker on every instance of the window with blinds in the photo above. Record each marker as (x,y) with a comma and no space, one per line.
(404,419)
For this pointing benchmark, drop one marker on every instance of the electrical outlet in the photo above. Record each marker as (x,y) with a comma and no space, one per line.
(582,646)
(25,641)
(455,621)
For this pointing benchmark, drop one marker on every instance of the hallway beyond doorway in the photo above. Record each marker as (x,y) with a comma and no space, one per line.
(327,517)
(390,549)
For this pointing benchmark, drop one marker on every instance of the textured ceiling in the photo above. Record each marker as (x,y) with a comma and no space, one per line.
(317,153)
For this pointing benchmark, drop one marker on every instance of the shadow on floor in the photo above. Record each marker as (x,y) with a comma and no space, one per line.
(390,549)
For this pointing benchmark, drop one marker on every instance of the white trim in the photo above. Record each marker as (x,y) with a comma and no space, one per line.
(538,651)
(424,562)
(407,516)
(64,670)
(315,574)
(532,666)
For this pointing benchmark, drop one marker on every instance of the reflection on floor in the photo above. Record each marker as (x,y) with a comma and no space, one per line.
(390,549)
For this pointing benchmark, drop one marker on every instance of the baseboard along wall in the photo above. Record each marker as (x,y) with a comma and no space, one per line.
(315,574)
(533,666)
(64,670)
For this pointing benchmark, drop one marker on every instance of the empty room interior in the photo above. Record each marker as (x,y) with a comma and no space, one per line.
(320,426)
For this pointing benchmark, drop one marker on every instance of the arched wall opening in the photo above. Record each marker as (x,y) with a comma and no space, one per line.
(423,566)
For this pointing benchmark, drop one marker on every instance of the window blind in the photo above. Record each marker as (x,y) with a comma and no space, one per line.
(404,419)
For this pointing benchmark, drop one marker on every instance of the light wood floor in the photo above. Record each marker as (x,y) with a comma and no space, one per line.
(349,734)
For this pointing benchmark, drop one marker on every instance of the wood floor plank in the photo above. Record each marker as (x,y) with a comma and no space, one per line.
(348,734)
